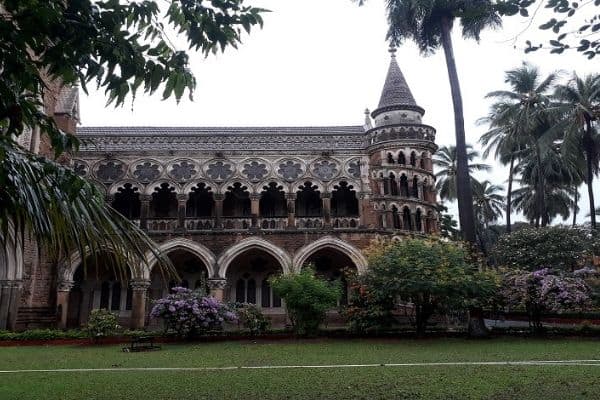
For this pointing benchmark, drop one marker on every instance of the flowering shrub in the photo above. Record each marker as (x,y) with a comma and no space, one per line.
(543,291)
(186,313)
(251,318)
(102,323)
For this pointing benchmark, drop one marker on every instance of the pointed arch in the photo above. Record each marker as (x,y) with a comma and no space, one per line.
(237,249)
(195,248)
(352,252)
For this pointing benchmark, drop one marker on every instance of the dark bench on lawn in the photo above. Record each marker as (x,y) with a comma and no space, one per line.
(141,343)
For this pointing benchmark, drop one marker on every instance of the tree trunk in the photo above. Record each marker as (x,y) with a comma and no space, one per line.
(575,201)
(463,181)
(588,144)
(540,195)
(477,328)
(509,194)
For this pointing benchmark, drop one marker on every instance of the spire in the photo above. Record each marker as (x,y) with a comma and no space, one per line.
(396,92)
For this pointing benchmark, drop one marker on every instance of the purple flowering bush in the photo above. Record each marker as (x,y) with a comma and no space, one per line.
(186,312)
(544,291)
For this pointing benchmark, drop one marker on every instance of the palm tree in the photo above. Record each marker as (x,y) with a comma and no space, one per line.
(488,202)
(504,141)
(446,159)
(62,212)
(429,24)
(578,107)
(525,107)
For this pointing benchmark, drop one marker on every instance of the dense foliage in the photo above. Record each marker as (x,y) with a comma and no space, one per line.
(251,318)
(186,313)
(102,323)
(119,46)
(307,298)
(433,276)
(535,248)
(543,291)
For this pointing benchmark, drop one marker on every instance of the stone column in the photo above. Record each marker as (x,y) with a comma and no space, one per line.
(219,210)
(291,210)
(13,309)
(181,210)
(217,288)
(254,209)
(5,298)
(413,221)
(326,198)
(62,302)
(144,210)
(363,207)
(138,303)
(420,191)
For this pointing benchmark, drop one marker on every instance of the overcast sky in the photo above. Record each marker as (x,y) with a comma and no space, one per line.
(321,62)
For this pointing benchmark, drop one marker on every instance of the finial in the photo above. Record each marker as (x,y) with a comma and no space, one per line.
(367,112)
(392,50)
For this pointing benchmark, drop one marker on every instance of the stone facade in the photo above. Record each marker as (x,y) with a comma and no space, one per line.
(232,206)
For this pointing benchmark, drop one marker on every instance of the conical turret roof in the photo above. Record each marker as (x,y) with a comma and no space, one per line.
(396,94)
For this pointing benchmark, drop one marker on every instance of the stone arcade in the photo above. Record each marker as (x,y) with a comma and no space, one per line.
(232,206)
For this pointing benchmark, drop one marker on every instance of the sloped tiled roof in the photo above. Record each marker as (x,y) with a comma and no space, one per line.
(201,131)
(67,101)
(395,90)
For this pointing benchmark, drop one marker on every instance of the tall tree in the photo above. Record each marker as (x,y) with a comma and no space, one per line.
(525,105)
(488,202)
(429,24)
(504,141)
(446,161)
(119,46)
(578,108)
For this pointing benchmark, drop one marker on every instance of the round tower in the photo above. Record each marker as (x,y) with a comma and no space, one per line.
(400,149)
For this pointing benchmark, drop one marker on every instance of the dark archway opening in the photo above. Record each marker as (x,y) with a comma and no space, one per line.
(396,218)
(201,203)
(331,264)
(127,201)
(393,185)
(401,158)
(413,159)
(272,202)
(164,202)
(192,274)
(343,201)
(406,220)
(415,188)
(237,201)
(308,201)
(403,186)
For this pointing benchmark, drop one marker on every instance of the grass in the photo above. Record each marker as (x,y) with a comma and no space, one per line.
(422,382)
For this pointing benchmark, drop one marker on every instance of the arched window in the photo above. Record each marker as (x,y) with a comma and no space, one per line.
(308,201)
(396,218)
(406,220)
(251,291)
(401,158)
(164,202)
(390,158)
(418,222)
(422,160)
(240,291)
(245,290)
(272,201)
(237,201)
(105,295)
(115,301)
(413,159)
(343,201)
(268,298)
(200,203)
(403,186)
(127,201)
(415,188)
(393,185)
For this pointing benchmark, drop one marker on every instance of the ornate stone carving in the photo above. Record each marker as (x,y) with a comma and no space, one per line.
(219,171)
(353,168)
(255,171)
(290,170)
(65,286)
(217,283)
(140,285)
(147,171)
(80,168)
(325,169)
(183,170)
(110,171)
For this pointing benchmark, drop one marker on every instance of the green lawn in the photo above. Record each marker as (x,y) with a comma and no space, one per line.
(417,382)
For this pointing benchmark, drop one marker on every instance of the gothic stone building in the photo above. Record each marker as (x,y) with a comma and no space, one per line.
(232,206)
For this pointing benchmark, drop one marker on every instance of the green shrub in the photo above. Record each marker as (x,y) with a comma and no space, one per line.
(251,318)
(42,334)
(307,299)
(102,323)
(536,248)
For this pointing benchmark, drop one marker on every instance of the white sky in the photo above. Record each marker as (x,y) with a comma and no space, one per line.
(321,62)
